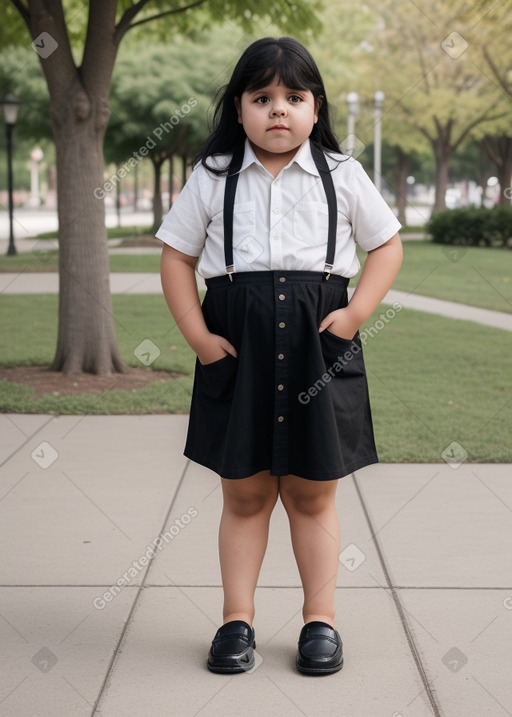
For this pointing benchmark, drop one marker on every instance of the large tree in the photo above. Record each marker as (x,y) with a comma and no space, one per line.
(77,44)
(423,59)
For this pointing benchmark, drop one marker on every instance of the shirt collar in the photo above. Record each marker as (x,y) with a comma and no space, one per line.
(303,158)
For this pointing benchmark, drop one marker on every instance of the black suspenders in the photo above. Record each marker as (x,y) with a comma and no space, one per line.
(229,203)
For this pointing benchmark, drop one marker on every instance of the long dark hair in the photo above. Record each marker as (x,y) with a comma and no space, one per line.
(285,58)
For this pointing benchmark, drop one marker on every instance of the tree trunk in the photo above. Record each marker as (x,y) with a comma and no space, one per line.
(157,193)
(402,164)
(488,166)
(442,154)
(504,169)
(136,188)
(86,338)
(171,179)
(118,203)
(183,170)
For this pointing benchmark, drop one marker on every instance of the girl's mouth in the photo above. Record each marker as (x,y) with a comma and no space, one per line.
(277,126)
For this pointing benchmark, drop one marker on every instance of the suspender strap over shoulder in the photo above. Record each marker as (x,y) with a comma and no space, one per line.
(325,175)
(330,193)
(229,203)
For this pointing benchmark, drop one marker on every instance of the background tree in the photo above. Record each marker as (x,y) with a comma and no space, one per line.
(79,87)
(157,93)
(429,76)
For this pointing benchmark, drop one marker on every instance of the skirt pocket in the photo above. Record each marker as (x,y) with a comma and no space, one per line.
(217,380)
(343,357)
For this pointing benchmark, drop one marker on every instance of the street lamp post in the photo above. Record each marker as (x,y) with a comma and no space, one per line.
(11,105)
(353,111)
(377,144)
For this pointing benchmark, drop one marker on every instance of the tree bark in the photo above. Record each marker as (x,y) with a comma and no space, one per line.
(442,154)
(157,191)
(499,150)
(402,164)
(171,179)
(86,338)
(504,172)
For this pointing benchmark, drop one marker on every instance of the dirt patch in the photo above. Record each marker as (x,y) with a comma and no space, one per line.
(44,381)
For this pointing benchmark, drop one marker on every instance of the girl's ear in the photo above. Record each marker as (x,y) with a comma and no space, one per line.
(238,106)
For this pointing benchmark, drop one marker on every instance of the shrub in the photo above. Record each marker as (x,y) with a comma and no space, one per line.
(469,226)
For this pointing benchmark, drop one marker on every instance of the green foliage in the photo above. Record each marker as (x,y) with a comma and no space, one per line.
(469,226)
(21,74)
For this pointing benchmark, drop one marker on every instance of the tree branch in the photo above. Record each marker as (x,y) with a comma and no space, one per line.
(167,12)
(59,67)
(477,121)
(494,69)
(23,10)
(100,48)
(124,23)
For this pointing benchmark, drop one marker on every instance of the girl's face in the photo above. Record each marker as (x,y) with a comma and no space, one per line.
(277,119)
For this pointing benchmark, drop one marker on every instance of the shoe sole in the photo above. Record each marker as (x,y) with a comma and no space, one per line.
(319,670)
(230,669)
(233,668)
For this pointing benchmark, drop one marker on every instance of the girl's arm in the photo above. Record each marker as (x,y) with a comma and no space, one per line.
(180,290)
(379,272)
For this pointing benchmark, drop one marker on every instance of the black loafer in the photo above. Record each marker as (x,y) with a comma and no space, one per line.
(232,648)
(320,649)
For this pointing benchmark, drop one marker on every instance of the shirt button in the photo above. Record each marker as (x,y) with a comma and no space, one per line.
(282,297)
(280,419)
(280,357)
(282,324)
(280,387)
(276,210)
(276,237)
(282,279)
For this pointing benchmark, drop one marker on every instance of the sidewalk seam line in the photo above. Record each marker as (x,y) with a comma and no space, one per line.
(401,613)
(50,419)
(113,660)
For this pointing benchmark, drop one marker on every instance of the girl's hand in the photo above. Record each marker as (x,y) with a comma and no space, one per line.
(214,348)
(340,323)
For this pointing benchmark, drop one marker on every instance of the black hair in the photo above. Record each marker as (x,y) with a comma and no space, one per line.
(289,61)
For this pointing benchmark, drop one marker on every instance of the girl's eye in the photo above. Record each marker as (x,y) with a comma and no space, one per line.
(262,100)
(295,99)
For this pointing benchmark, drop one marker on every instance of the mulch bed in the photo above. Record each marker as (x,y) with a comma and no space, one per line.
(44,381)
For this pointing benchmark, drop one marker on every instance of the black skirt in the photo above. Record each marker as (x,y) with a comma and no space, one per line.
(294,401)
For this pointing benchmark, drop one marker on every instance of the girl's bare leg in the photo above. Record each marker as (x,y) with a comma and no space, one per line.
(315,534)
(243,536)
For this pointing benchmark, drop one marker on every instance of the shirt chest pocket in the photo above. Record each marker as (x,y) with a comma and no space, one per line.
(311,223)
(245,242)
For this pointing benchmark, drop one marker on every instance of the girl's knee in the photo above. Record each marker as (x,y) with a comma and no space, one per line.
(309,498)
(247,497)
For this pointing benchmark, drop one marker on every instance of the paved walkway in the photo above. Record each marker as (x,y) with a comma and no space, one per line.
(96,621)
(132,283)
(110,588)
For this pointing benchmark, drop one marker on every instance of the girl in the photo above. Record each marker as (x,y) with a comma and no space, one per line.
(280,403)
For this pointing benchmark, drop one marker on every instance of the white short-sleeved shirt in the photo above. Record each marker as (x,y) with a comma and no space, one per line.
(281,222)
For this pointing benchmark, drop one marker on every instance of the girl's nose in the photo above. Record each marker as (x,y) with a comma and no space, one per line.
(278,110)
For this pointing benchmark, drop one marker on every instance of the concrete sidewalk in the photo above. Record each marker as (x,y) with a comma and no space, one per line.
(96,621)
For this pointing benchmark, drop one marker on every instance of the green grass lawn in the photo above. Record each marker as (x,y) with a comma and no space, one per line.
(44,260)
(478,276)
(432,380)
